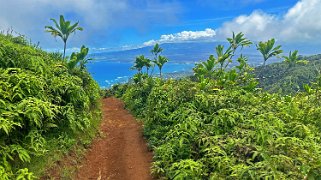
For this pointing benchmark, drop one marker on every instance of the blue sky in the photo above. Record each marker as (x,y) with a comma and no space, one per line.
(130,23)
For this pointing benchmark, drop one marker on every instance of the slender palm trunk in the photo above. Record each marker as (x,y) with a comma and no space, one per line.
(160,73)
(65,45)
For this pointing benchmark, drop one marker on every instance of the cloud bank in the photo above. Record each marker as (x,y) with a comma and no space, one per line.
(102,19)
(207,34)
(301,23)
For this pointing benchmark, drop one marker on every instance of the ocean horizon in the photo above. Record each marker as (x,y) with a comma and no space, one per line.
(108,73)
(109,68)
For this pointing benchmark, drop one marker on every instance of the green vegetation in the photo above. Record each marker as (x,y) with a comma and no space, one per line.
(222,126)
(290,76)
(63,29)
(158,60)
(160,63)
(47,105)
(268,50)
(142,62)
(292,59)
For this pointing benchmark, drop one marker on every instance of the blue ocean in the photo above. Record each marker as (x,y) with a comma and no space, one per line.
(107,73)
(110,68)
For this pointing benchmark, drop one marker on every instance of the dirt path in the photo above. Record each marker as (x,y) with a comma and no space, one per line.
(121,153)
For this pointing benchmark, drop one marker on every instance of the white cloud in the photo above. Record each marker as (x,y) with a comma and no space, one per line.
(101,19)
(257,25)
(207,34)
(302,23)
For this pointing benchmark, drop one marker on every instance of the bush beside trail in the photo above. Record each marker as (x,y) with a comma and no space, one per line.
(42,101)
(222,126)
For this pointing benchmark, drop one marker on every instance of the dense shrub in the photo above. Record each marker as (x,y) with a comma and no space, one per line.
(39,97)
(228,134)
(221,126)
(286,79)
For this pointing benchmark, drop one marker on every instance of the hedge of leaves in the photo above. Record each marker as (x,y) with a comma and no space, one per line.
(220,126)
(285,79)
(228,134)
(39,96)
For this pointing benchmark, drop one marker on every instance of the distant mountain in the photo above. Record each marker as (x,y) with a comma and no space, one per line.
(110,68)
(281,78)
(176,52)
(195,51)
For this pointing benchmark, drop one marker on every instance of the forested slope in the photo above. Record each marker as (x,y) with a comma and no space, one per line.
(44,103)
(222,125)
(285,78)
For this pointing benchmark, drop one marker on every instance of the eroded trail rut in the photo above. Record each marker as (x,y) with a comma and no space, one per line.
(121,153)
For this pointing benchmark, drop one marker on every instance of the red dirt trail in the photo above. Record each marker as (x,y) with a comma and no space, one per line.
(121,153)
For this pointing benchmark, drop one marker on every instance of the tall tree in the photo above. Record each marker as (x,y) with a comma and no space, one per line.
(63,29)
(139,63)
(292,59)
(268,50)
(223,57)
(156,51)
(148,64)
(237,41)
(161,60)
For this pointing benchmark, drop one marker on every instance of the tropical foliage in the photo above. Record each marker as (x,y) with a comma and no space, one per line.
(42,98)
(222,126)
(142,62)
(268,50)
(159,60)
(290,76)
(63,29)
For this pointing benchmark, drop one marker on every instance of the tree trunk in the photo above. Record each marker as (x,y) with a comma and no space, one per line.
(65,44)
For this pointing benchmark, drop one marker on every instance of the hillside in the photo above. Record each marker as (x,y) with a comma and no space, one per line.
(221,125)
(46,107)
(192,52)
(286,79)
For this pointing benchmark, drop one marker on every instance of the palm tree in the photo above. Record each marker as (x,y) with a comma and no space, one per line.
(155,51)
(268,50)
(238,40)
(205,69)
(223,57)
(147,64)
(79,57)
(139,63)
(161,60)
(292,59)
(63,29)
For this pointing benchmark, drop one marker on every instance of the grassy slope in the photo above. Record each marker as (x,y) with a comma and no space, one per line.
(230,133)
(279,77)
(45,108)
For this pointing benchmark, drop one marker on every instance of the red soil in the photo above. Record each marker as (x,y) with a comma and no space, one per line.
(121,153)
